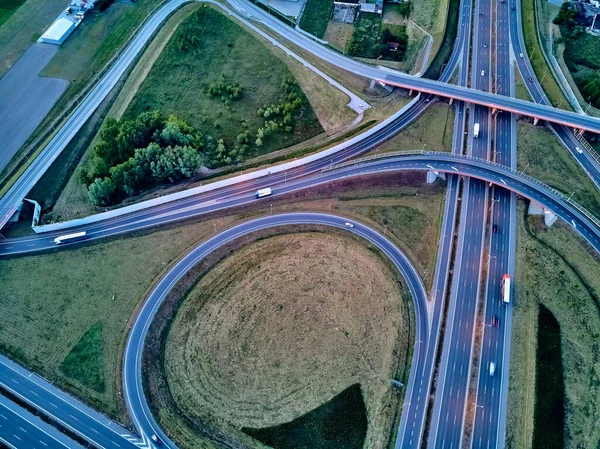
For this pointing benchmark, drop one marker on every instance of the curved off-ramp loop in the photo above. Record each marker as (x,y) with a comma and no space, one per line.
(132,366)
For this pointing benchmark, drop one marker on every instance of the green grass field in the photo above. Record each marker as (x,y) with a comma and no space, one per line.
(178,82)
(540,67)
(541,155)
(8,8)
(557,270)
(444,40)
(316,16)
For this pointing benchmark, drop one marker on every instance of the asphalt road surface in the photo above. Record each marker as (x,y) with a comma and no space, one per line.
(19,429)
(132,365)
(26,98)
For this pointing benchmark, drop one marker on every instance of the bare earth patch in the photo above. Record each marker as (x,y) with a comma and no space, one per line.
(282,326)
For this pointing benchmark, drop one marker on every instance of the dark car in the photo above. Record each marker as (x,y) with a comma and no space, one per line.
(495,228)
(513,8)
(495,321)
(531,79)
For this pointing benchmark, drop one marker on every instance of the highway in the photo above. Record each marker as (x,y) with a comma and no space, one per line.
(132,365)
(63,409)
(19,429)
(12,199)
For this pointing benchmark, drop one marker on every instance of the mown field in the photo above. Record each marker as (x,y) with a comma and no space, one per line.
(555,269)
(70,296)
(282,326)
(541,155)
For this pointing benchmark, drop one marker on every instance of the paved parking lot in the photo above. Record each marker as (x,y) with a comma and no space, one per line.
(26,98)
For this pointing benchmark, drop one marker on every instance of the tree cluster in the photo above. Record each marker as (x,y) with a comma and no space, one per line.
(138,153)
(369,41)
(224,89)
(405,9)
(103,4)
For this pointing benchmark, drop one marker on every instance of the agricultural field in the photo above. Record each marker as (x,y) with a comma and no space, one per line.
(282,326)
(67,308)
(542,156)
(557,270)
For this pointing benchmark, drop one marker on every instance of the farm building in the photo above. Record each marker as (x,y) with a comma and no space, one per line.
(58,31)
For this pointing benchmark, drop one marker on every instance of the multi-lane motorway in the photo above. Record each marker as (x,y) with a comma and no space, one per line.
(490,402)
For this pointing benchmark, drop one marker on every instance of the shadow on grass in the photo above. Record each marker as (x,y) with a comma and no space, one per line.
(549,419)
(340,423)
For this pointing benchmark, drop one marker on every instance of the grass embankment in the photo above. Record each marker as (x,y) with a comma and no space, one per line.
(431,131)
(542,156)
(341,423)
(536,56)
(48,314)
(441,56)
(316,16)
(283,325)
(435,18)
(8,8)
(557,270)
(549,389)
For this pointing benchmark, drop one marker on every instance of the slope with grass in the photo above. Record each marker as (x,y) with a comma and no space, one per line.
(542,156)
(8,8)
(557,270)
(283,325)
(316,16)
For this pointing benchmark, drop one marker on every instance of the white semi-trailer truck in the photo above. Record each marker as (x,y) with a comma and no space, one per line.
(476,130)
(506,288)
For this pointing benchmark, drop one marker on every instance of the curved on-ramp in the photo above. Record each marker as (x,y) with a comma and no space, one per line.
(136,402)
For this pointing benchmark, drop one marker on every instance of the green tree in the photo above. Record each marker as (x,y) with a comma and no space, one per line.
(101,191)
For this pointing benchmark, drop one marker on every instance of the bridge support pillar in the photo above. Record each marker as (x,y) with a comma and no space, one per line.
(451,101)
(579,132)
(536,121)
(410,93)
(433,175)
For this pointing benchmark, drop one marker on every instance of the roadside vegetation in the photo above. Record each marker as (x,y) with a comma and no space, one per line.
(267,336)
(444,39)
(8,8)
(72,290)
(316,17)
(542,156)
(555,269)
(372,40)
(581,54)
(536,55)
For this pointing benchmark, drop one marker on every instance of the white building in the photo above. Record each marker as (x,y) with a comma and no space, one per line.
(58,31)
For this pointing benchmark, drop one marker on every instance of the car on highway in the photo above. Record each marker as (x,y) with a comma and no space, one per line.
(495,228)
(531,79)
(495,321)
(578,150)
(492,368)
(348,225)
(156,439)
(483,73)
(520,55)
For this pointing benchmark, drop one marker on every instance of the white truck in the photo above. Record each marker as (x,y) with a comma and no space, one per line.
(263,192)
(506,289)
(476,130)
(70,238)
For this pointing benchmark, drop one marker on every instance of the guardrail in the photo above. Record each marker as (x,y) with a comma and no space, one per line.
(450,156)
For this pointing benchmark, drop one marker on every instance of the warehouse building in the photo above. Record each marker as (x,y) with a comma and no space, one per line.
(58,31)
